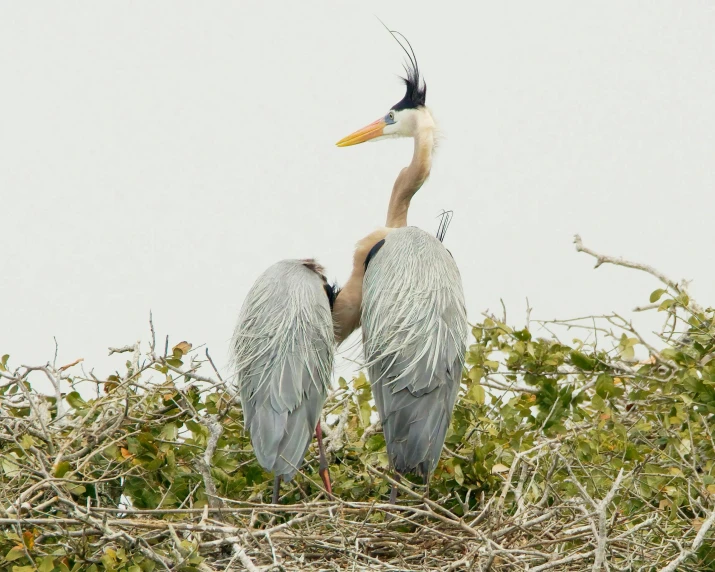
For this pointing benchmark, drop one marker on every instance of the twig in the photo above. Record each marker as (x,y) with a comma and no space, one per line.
(618,261)
(687,553)
(240,553)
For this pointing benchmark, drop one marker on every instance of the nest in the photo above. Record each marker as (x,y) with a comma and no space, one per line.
(579,457)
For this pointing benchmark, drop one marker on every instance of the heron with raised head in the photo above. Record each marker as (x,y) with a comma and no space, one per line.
(406,291)
(282,354)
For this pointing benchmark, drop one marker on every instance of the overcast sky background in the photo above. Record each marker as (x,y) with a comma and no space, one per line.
(161,155)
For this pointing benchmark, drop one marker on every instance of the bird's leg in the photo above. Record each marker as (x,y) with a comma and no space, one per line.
(323,468)
(393,492)
(276,489)
(425,482)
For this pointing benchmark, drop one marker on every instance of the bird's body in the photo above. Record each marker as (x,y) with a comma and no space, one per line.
(283,359)
(414,328)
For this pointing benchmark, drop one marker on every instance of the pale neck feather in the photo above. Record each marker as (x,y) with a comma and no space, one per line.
(411,178)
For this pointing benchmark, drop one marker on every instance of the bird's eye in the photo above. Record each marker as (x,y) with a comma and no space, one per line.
(391,115)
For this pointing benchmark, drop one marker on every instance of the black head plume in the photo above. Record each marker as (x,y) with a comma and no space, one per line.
(415,86)
(444,224)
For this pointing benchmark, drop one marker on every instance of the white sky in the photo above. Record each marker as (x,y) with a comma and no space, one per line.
(161,155)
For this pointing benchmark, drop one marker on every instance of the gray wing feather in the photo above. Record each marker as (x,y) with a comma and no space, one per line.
(414,334)
(282,353)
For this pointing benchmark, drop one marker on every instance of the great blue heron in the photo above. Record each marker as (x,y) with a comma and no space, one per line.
(414,321)
(283,359)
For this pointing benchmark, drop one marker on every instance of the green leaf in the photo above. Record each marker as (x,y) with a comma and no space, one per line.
(491,364)
(626,352)
(3,362)
(360,381)
(196,428)
(656,294)
(581,361)
(76,401)
(523,335)
(604,385)
(669,353)
(16,552)
(76,490)
(476,393)
(665,304)
(46,564)
(458,475)
(9,467)
(146,440)
(365,413)
(27,441)
(375,443)
(476,374)
(169,432)
(61,469)
(597,402)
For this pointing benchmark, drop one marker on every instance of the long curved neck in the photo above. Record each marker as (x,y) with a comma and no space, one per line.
(411,178)
(346,310)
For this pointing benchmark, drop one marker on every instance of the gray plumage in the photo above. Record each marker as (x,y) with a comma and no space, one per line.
(414,334)
(283,358)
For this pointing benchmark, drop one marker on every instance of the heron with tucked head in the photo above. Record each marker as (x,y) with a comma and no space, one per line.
(282,354)
(406,291)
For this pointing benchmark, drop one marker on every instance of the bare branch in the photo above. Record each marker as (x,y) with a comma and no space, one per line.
(618,261)
(203,464)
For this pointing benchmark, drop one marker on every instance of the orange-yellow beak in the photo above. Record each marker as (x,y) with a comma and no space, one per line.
(375,129)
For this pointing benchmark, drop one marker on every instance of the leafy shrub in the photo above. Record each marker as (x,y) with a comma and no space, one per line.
(560,456)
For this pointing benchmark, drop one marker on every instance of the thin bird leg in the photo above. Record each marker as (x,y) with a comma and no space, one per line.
(276,489)
(393,492)
(323,468)
(425,482)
